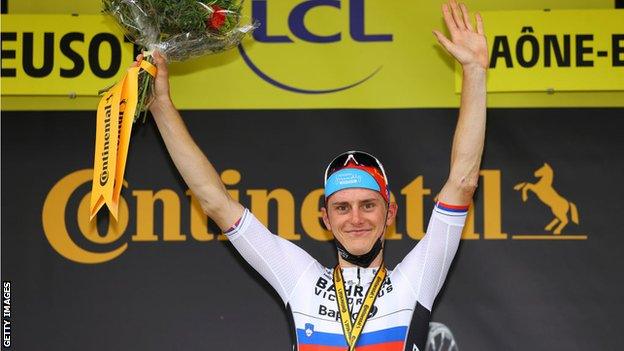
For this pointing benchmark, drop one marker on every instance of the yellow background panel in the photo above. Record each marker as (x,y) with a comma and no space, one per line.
(417,74)
(596,30)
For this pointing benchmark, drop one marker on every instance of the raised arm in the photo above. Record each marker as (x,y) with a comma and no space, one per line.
(197,171)
(469,47)
(279,261)
(426,266)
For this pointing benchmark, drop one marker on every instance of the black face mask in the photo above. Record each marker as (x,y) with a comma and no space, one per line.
(359,260)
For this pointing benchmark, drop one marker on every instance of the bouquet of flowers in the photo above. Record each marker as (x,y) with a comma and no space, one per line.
(179,29)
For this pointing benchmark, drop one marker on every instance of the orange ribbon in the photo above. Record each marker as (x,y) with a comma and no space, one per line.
(114,123)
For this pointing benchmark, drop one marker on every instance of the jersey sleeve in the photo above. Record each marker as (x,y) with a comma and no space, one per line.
(279,261)
(426,266)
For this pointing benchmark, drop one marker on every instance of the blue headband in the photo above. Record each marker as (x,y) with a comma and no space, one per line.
(347,178)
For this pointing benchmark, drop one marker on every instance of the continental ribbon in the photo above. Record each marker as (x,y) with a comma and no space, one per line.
(352,331)
(115,116)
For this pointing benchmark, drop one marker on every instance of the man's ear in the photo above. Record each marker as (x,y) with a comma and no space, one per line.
(326,218)
(392,211)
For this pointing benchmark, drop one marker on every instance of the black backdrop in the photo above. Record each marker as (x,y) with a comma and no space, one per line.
(503,294)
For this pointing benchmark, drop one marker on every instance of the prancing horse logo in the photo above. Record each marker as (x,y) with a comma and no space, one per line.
(545,192)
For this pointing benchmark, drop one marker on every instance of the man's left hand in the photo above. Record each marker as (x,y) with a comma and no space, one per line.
(467,44)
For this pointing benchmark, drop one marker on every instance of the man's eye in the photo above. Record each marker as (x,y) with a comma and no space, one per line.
(369,205)
(341,208)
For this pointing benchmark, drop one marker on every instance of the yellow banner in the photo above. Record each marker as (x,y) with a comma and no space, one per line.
(61,54)
(322,54)
(115,116)
(558,50)
(306,54)
(105,159)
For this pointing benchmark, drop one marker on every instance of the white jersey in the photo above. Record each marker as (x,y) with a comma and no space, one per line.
(400,317)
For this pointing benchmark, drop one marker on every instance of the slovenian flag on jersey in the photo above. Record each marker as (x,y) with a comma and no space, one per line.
(391,339)
(451,210)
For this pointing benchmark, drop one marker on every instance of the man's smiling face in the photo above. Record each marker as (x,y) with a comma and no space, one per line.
(357,217)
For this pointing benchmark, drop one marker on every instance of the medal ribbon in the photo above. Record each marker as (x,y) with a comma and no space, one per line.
(114,123)
(352,331)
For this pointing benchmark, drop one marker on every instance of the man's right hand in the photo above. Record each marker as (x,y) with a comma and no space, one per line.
(161,82)
(161,95)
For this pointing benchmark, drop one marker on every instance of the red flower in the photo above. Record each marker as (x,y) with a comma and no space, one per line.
(218,17)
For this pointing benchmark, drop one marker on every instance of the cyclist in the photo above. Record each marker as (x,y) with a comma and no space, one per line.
(359,302)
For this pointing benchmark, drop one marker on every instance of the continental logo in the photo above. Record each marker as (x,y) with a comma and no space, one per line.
(104,239)
(562,209)
(107,117)
(309,35)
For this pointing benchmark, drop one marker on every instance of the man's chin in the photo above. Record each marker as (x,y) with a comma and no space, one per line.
(360,250)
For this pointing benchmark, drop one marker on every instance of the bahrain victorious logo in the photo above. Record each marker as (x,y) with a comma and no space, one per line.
(562,209)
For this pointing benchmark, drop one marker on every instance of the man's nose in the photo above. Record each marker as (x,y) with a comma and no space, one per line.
(356,216)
